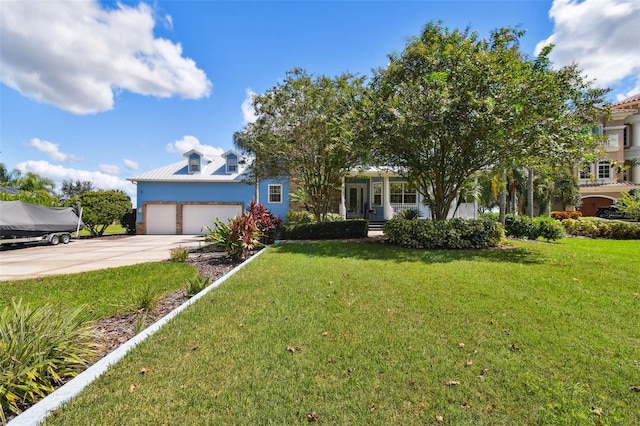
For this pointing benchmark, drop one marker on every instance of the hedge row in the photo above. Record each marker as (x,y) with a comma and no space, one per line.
(575,214)
(525,227)
(326,230)
(447,234)
(602,228)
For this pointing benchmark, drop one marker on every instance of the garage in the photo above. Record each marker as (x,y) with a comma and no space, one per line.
(195,216)
(161,219)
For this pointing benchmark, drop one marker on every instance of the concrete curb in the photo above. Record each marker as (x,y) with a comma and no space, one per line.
(38,412)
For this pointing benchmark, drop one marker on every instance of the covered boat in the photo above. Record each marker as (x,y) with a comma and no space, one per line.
(20,219)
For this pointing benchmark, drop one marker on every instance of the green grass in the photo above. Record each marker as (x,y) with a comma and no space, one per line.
(103,293)
(111,230)
(552,329)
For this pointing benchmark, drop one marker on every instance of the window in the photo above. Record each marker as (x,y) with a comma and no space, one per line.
(585,171)
(403,193)
(194,163)
(275,193)
(232,164)
(377,193)
(604,170)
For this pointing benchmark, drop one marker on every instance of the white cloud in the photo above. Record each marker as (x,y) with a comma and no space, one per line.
(59,173)
(52,150)
(130,164)
(168,22)
(188,143)
(75,54)
(601,36)
(248,113)
(109,169)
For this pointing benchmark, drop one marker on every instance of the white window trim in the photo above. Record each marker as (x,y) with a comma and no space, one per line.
(235,166)
(269,194)
(600,177)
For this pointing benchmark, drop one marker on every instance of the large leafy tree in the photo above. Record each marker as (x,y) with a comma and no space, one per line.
(101,208)
(31,182)
(452,104)
(629,204)
(7,177)
(306,130)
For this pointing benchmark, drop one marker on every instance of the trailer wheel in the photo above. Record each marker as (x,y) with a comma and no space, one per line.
(55,240)
(65,238)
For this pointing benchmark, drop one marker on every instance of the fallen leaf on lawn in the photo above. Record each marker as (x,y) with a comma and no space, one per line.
(505,331)
(195,347)
(293,349)
(492,322)
(461,345)
(439,419)
(468,363)
(144,370)
(575,279)
(481,378)
(596,410)
(484,370)
(636,295)
(465,406)
(373,407)
(131,388)
(313,417)
(453,383)
(325,333)
(635,388)
(513,347)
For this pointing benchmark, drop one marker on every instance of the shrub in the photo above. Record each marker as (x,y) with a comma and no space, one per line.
(495,216)
(179,254)
(39,348)
(196,284)
(602,228)
(267,225)
(238,238)
(409,214)
(447,234)
(300,217)
(128,222)
(333,217)
(519,227)
(326,230)
(575,214)
(548,228)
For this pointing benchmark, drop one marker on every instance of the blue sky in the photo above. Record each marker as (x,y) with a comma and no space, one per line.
(103,91)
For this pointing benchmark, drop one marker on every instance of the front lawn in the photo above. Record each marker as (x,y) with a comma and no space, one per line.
(104,292)
(346,333)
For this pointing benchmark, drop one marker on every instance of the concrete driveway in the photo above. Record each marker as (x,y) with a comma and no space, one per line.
(89,254)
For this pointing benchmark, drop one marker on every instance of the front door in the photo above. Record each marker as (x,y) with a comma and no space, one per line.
(356,200)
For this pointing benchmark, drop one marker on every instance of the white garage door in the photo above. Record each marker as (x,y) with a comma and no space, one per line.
(194,217)
(161,219)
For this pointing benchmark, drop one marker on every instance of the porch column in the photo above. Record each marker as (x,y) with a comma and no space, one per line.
(386,191)
(343,208)
(634,146)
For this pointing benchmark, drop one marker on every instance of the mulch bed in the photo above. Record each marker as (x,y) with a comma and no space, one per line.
(112,332)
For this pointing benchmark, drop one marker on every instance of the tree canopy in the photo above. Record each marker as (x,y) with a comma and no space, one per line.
(306,130)
(101,208)
(452,104)
(70,189)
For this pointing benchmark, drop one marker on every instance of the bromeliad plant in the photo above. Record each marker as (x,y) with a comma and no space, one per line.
(244,234)
(39,348)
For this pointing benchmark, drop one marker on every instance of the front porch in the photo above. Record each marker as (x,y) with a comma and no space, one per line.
(379,197)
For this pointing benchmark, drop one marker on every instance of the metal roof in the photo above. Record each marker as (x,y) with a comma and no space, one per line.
(214,171)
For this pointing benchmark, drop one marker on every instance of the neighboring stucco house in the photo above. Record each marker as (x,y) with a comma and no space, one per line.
(183,197)
(602,182)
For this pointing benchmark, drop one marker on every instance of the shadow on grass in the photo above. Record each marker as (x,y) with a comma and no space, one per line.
(377,251)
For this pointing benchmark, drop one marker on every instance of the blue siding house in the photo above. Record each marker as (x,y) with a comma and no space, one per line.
(183,197)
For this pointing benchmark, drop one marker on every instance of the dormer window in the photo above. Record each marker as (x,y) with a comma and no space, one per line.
(194,163)
(232,164)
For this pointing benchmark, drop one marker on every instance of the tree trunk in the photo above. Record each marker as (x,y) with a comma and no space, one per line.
(530,193)
(502,200)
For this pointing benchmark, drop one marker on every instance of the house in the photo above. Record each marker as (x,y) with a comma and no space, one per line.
(183,197)
(602,182)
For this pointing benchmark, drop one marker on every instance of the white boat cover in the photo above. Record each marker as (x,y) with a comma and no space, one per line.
(20,219)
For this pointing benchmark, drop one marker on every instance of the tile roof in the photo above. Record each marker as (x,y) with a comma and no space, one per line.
(630,102)
(608,185)
(177,172)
